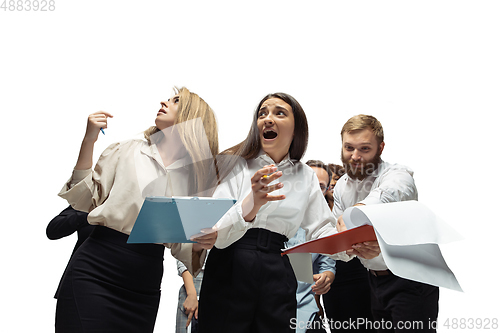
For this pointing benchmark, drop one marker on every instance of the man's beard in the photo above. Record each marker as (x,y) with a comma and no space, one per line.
(364,169)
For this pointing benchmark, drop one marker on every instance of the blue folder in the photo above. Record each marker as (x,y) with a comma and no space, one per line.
(176,219)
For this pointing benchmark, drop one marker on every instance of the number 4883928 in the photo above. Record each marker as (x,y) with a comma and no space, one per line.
(471,323)
(28,5)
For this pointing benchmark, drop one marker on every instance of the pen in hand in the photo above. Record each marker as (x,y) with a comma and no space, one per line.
(102,131)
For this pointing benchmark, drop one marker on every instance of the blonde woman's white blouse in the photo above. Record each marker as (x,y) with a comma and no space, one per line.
(126,173)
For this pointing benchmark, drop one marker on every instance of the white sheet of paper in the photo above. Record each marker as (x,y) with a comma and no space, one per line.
(409,233)
(302,266)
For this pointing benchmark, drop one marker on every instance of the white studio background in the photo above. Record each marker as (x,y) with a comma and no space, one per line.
(428,70)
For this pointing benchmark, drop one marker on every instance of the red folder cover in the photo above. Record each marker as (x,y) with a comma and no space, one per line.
(336,243)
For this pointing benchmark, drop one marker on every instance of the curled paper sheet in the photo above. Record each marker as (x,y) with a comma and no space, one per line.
(409,233)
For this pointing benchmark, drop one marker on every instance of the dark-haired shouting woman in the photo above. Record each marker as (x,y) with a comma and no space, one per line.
(248,286)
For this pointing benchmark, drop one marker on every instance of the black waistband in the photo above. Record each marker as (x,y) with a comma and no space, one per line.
(118,238)
(380,273)
(261,240)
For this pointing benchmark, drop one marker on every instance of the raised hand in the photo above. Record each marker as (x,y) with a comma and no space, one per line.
(95,122)
(261,190)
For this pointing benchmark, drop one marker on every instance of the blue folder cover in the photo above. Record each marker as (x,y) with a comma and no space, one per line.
(168,220)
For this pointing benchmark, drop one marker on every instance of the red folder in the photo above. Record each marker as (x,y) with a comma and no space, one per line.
(336,243)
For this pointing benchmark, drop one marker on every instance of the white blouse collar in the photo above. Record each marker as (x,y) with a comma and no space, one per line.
(264,156)
(152,152)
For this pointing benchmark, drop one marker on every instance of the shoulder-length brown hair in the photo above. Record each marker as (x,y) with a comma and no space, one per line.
(191,106)
(250,147)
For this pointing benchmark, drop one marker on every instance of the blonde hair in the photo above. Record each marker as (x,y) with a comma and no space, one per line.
(191,106)
(361,122)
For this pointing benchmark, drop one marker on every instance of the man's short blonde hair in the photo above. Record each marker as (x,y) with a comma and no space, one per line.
(361,122)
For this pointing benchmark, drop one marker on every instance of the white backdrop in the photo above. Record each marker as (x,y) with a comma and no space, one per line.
(428,70)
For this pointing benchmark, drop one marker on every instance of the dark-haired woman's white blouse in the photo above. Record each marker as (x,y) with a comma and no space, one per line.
(304,205)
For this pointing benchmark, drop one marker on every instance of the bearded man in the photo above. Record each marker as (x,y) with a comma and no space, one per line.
(398,305)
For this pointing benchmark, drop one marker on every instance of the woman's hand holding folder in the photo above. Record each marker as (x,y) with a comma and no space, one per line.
(204,240)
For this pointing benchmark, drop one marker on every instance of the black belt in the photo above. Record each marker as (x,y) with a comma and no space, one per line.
(261,240)
(380,273)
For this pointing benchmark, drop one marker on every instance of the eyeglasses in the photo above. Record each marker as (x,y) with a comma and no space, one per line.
(323,188)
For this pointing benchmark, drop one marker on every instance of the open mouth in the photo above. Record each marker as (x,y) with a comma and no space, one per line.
(356,165)
(270,134)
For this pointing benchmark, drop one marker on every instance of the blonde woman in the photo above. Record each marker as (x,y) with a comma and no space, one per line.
(109,285)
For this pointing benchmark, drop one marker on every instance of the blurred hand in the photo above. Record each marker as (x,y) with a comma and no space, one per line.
(340,224)
(204,240)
